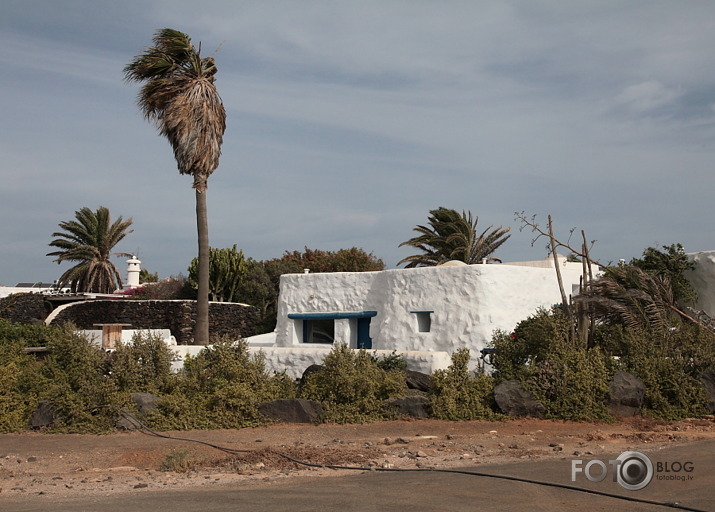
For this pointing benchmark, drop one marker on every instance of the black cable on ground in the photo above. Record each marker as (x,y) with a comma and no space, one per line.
(141,427)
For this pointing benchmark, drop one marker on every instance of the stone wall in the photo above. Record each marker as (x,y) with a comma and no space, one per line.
(225,319)
(25,308)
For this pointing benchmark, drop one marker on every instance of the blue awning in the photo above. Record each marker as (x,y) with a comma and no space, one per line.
(341,315)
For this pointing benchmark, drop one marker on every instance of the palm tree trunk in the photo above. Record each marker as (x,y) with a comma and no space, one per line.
(201,328)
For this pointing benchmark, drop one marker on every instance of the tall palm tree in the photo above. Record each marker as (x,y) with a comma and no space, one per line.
(453,236)
(180,97)
(89,240)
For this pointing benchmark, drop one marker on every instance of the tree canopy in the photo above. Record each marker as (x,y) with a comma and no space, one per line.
(670,263)
(89,241)
(450,235)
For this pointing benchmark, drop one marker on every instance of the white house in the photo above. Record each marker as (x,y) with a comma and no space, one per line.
(423,313)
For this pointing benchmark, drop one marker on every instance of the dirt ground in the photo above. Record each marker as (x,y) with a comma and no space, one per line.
(60,465)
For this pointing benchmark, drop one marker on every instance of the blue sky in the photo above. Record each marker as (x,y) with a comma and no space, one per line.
(348,121)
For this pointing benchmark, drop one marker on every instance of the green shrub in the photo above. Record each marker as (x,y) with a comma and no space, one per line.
(180,460)
(20,387)
(670,364)
(142,366)
(530,343)
(457,395)
(72,376)
(221,387)
(572,383)
(352,387)
(570,380)
(28,335)
(78,384)
(394,361)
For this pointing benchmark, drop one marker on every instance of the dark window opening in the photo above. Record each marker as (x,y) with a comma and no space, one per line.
(424,320)
(319,331)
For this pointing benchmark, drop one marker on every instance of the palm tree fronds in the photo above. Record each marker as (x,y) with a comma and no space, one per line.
(89,240)
(631,296)
(452,236)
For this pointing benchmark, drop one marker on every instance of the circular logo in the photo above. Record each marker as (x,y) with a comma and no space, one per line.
(635,470)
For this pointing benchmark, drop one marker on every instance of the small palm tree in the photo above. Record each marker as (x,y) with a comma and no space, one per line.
(89,240)
(633,297)
(453,236)
(180,97)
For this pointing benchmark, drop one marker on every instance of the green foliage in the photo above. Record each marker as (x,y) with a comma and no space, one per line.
(352,387)
(670,365)
(142,366)
(342,260)
(77,384)
(227,268)
(394,361)
(180,460)
(260,289)
(456,395)
(221,388)
(72,376)
(671,263)
(572,382)
(89,241)
(20,382)
(26,334)
(630,296)
(530,343)
(451,236)
(147,277)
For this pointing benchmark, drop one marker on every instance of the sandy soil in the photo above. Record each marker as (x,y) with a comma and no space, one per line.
(63,465)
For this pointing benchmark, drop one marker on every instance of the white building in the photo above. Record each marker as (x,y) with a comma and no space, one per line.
(423,313)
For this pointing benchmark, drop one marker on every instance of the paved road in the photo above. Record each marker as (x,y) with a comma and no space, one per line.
(417,492)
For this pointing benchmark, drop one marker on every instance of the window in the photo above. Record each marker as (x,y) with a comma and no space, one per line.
(424,320)
(319,331)
(321,327)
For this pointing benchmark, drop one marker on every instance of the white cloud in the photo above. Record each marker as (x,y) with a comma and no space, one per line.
(647,97)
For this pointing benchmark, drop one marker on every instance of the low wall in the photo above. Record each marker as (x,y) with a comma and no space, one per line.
(225,318)
(294,361)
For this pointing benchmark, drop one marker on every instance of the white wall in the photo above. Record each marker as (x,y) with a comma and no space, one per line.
(294,360)
(703,279)
(9,290)
(468,302)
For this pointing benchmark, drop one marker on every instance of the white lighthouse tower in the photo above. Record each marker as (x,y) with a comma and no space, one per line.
(133,270)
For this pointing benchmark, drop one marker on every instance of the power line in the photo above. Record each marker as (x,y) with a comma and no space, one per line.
(141,427)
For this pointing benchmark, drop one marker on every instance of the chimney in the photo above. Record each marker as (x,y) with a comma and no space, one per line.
(133,269)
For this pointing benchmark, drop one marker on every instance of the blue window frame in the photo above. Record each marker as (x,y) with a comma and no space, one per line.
(320,327)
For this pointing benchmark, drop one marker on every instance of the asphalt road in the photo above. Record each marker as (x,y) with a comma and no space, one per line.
(424,491)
